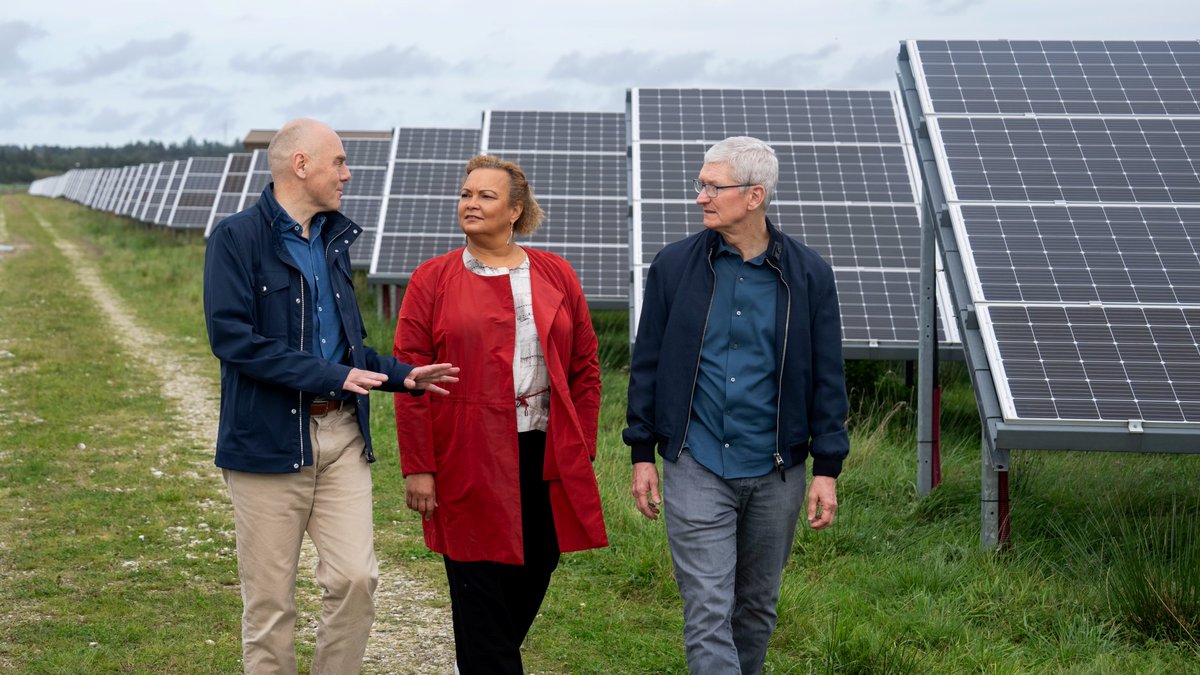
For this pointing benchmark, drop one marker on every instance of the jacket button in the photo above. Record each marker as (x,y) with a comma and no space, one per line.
(293,411)
(264,289)
(333,393)
(295,466)
(337,250)
(297,301)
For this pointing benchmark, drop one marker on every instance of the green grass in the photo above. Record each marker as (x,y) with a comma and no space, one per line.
(1102,576)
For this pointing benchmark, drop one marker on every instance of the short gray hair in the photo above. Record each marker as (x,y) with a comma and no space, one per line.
(750,160)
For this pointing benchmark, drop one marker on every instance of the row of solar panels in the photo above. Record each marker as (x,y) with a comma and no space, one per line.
(1064,181)
(615,187)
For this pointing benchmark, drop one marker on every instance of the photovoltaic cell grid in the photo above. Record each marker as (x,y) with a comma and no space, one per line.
(846,189)
(576,163)
(197,192)
(362,199)
(233,184)
(420,217)
(257,181)
(1073,174)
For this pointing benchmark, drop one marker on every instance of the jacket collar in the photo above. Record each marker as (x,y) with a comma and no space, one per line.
(775,247)
(335,223)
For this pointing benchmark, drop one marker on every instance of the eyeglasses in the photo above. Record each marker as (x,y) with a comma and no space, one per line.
(713,190)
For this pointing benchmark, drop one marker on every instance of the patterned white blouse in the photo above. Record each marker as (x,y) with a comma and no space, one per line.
(531,380)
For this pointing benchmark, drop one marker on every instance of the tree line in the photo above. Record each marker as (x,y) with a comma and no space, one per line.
(19,164)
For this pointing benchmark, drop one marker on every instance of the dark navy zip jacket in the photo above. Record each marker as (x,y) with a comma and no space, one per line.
(258,318)
(808,337)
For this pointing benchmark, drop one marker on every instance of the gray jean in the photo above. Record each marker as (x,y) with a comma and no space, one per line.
(730,540)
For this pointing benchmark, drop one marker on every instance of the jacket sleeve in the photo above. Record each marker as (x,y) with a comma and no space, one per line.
(229,312)
(414,344)
(829,406)
(583,375)
(640,431)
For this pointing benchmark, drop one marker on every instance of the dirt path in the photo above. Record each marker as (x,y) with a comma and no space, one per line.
(410,636)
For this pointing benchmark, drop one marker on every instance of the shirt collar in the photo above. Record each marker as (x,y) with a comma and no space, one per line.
(723,248)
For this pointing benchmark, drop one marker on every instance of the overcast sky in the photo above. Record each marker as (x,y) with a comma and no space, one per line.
(86,73)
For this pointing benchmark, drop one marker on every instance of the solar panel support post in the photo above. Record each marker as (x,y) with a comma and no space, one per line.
(928,461)
(993,496)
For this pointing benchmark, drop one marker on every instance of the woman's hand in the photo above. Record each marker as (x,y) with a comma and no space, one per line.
(420,494)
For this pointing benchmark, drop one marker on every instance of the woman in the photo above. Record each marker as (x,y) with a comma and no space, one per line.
(501,469)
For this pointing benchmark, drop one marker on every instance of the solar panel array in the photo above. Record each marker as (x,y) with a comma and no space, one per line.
(1071,173)
(420,210)
(233,185)
(576,164)
(846,188)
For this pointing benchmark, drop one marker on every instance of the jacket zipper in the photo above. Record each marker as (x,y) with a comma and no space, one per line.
(787,324)
(700,355)
(300,394)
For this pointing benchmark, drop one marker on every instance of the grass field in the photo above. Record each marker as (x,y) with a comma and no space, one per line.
(112,559)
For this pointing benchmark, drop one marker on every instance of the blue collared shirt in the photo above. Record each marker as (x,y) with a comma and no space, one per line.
(327,338)
(732,427)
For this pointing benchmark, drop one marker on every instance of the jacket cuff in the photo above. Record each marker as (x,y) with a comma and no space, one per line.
(642,453)
(827,466)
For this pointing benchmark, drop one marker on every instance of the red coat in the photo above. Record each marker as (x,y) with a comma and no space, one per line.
(468,439)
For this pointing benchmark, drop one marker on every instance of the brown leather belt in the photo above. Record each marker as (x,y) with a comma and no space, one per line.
(321,407)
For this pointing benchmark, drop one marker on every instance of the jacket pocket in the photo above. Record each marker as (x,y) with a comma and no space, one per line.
(273,303)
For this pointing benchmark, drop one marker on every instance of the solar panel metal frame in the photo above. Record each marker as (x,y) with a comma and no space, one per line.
(870,347)
(363,248)
(1003,429)
(525,151)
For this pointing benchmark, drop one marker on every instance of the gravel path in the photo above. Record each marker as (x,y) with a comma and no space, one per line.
(410,635)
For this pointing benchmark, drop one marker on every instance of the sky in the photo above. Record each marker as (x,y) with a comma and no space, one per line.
(86,73)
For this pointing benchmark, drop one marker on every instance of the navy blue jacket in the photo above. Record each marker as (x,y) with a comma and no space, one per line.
(811,418)
(256,306)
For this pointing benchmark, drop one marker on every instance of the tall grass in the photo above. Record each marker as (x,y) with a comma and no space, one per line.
(1101,576)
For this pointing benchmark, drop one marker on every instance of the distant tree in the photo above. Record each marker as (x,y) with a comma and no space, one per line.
(22,164)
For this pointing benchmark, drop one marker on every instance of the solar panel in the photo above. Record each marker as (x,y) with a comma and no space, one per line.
(197,191)
(420,212)
(846,189)
(257,181)
(233,185)
(173,171)
(137,190)
(369,160)
(576,163)
(1071,177)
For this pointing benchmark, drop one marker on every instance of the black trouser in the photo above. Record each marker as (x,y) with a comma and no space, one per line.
(494,604)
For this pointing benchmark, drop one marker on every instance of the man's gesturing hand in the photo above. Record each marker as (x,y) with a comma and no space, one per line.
(427,377)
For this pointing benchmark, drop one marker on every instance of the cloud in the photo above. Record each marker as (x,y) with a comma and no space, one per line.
(12,34)
(951,7)
(110,120)
(392,63)
(12,116)
(184,92)
(126,56)
(873,71)
(631,68)
(799,70)
(389,62)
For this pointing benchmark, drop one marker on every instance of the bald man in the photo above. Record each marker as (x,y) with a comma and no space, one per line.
(294,441)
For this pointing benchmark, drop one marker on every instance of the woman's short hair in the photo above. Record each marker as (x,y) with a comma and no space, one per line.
(750,160)
(519,191)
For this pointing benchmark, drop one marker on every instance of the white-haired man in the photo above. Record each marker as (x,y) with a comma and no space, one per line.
(737,378)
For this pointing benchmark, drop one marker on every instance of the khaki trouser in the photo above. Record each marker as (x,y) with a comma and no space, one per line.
(332,502)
